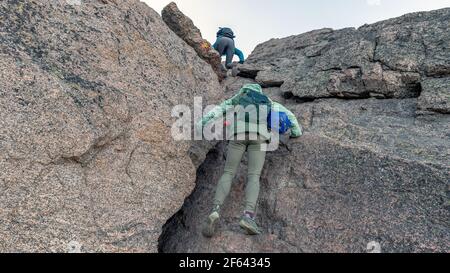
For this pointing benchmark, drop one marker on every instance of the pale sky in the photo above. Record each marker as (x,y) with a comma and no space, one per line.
(256,21)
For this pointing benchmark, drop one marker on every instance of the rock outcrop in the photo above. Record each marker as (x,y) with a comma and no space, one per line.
(373,166)
(184,27)
(86,154)
(88,162)
(389,59)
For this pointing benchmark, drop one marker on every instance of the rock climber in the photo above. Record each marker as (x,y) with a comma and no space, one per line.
(226,47)
(245,135)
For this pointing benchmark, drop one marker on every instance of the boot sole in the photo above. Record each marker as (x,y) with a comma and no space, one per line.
(210,226)
(249,229)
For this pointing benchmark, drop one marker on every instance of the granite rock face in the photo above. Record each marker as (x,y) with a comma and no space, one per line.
(184,27)
(389,59)
(373,167)
(87,160)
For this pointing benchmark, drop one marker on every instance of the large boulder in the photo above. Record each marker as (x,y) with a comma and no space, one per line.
(184,27)
(87,161)
(371,172)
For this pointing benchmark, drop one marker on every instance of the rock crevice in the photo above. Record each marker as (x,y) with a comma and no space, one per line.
(373,163)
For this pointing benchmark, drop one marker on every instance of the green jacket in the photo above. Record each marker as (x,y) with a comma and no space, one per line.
(228,105)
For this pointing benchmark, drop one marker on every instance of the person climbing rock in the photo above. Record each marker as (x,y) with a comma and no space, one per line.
(226,47)
(246,133)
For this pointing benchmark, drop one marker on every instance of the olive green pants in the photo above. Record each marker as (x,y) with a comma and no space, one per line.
(256,158)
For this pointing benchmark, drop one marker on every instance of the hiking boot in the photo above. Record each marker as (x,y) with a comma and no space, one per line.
(249,225)
(209,227)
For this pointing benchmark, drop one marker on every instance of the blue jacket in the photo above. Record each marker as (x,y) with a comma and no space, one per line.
(237,51)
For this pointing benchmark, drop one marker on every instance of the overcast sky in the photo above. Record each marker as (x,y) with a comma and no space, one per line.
(256,21)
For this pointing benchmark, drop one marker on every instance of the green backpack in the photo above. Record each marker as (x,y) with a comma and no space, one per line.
(252,115)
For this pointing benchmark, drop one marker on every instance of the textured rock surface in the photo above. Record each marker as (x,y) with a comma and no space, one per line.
(373,167)
(435,95)
(86,154)
(185,28)
(365,171)
(389,59)
(87,159)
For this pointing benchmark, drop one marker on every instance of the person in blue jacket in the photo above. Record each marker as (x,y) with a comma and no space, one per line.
(226,47)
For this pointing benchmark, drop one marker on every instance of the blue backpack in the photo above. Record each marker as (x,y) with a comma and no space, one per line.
(279,121)
(226,32)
